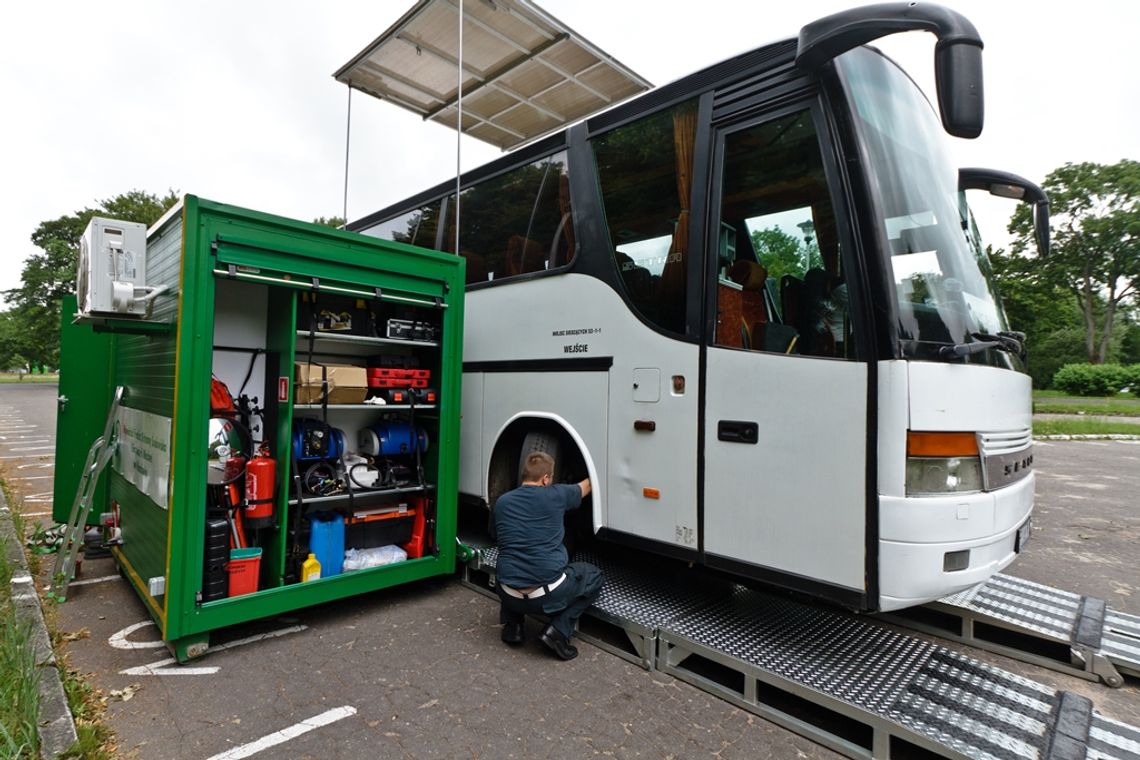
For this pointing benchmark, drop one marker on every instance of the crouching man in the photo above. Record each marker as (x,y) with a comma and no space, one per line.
(534,571)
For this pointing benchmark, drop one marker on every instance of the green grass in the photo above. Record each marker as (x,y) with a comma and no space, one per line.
(12,377)
(19,679)
(1039,394)
(1106,408)
(1078,426)
(94,741)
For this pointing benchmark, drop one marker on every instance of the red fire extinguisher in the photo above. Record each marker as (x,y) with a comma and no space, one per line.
(260,479)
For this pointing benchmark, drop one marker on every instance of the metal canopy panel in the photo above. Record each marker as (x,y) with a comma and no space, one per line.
(525,74)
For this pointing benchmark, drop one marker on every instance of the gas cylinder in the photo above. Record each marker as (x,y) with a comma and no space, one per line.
(260,479)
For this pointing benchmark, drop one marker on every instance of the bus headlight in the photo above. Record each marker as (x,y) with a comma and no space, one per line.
(938,475)
(942,462)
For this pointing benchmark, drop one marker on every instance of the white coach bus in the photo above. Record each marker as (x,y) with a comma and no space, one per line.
(751,305)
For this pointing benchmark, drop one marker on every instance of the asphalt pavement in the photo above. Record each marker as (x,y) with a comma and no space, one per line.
(419,671)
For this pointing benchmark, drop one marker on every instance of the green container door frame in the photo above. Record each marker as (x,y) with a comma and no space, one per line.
(205,252)
(82,405)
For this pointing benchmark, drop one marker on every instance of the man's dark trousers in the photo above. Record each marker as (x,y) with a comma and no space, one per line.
(564,605)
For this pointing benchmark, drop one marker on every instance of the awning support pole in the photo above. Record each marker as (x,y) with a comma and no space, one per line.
(458,125)
(347,136)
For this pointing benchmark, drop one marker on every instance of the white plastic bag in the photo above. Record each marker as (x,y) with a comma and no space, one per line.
(359,559)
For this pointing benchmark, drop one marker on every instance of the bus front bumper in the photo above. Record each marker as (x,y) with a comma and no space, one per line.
(986,525)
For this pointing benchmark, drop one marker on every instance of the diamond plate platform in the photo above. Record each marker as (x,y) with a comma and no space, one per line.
(1038,624)
(868,691)
(849,683)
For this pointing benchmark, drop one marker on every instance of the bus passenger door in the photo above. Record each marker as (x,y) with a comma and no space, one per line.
(785,403)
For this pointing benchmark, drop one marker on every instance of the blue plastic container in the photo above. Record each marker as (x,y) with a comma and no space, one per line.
(327,542)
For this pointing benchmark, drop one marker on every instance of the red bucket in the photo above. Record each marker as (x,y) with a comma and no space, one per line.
(243,569)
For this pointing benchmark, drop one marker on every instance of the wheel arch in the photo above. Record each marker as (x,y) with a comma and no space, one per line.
(508,441)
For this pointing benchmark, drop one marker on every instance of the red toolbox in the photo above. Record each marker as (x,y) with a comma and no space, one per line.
(406,395)
(399,373)
(387,382)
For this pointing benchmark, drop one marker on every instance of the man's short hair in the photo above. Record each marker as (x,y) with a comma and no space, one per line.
(537,465)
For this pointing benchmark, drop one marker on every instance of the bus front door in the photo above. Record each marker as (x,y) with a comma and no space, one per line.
(785,407)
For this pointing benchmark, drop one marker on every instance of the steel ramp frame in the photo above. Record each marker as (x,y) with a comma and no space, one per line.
(867,691)
(1028,621)
(851,684)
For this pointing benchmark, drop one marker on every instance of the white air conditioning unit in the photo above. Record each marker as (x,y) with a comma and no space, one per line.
(112,269)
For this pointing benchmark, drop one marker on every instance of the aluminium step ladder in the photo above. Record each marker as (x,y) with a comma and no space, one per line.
(98,457)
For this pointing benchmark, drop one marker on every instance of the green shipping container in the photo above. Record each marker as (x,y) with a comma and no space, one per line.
(305,323)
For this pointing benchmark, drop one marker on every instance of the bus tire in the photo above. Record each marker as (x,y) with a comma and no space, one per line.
(539,441)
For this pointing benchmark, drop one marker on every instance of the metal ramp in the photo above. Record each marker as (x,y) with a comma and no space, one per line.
(1028,621)
(855,686)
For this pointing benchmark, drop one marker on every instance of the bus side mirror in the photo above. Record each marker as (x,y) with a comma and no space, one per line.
(958,79)
(1006,185)
(957,56)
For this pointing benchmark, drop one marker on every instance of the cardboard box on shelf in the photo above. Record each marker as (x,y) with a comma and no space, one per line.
(347,384)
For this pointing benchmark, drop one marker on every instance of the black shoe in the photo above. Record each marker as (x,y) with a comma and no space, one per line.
(512,634)
(558,644)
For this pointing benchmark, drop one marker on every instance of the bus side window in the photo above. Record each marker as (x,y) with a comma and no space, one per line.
(774,189)
(414,228)
(645,170)
(515,223)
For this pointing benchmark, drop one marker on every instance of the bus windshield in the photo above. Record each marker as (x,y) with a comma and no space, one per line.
(943,284)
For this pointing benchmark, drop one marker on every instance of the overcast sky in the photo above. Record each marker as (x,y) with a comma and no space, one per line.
(235,101)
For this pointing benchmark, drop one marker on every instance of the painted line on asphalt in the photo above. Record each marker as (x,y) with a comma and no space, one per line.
(25,456)
(88,582)
(32,448)
(118,640)
(162,667)
(35,514)
(285,734)
(35,466)
(33,477)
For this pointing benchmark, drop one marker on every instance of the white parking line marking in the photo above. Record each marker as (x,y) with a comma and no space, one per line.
(284,735)
(35,466)
(88,582)
(32,448)
(33,477)
(119,639)
(37,514)
(161,668)
(25,456)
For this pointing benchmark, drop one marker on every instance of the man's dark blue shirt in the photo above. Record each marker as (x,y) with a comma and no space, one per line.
(528,524)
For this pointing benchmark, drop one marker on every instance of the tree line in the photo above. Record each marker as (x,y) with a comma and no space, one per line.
(29,328)
(1079,304)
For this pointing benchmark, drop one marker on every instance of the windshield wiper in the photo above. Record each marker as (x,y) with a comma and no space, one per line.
(1006,340)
